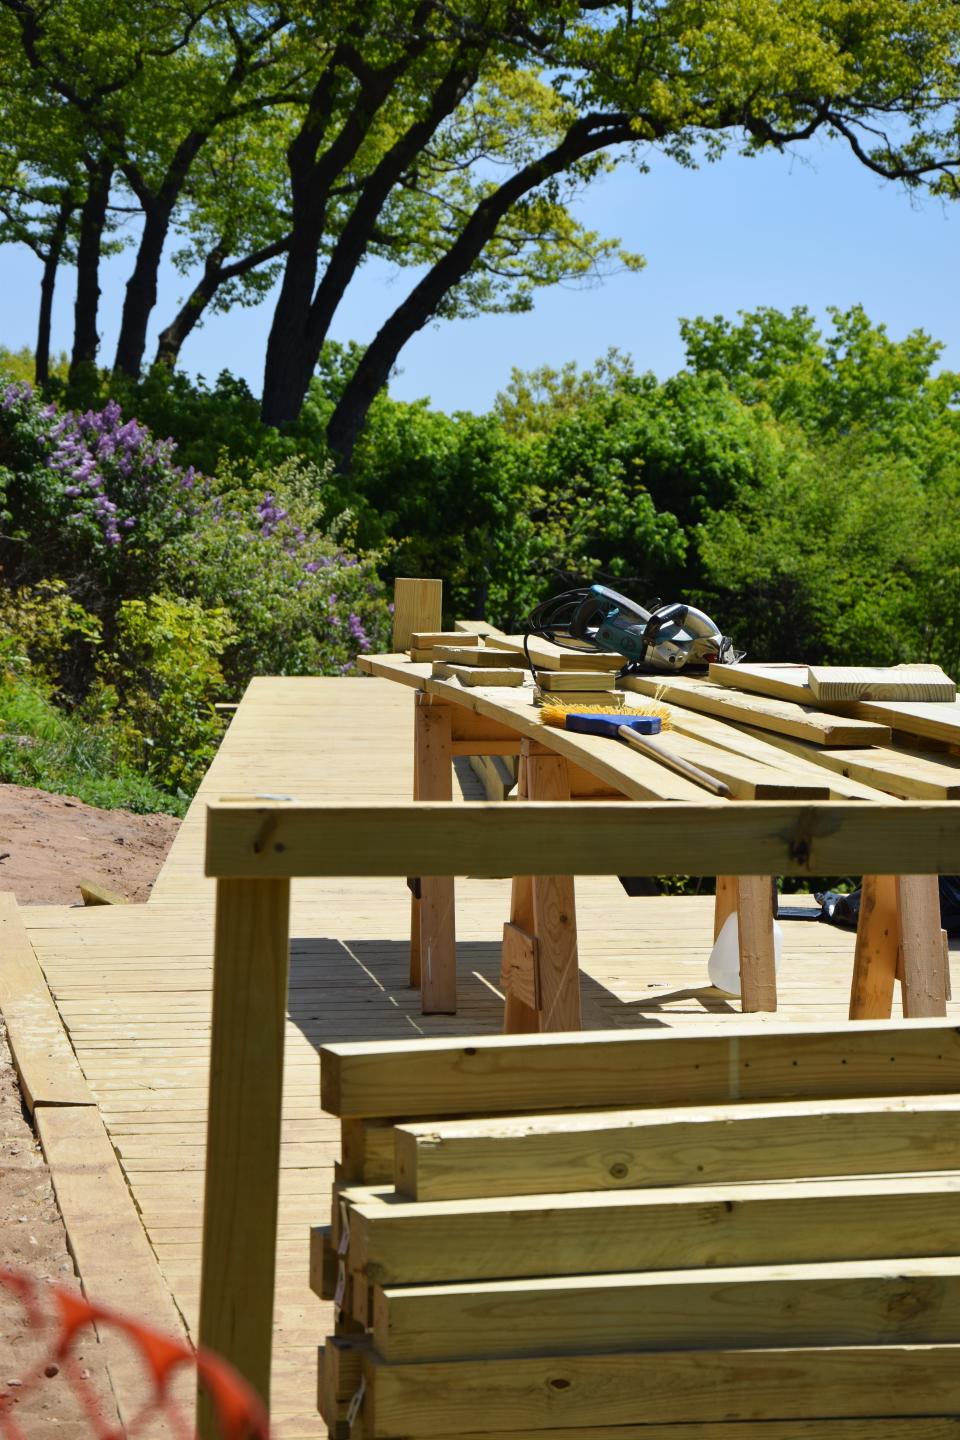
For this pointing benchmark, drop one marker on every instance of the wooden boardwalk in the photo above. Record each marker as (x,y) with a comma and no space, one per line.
(132,985)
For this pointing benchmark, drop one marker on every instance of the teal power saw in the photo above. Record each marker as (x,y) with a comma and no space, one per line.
(668,638)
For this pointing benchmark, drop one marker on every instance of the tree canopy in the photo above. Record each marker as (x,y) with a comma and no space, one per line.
(286,138)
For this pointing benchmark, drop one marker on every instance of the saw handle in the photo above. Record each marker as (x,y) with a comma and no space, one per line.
(646,746)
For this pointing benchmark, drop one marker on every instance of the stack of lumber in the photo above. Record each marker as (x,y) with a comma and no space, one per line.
(731,1235)
(906,748)
(467,657)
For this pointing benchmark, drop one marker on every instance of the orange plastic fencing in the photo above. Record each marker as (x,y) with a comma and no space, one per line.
(63,1318)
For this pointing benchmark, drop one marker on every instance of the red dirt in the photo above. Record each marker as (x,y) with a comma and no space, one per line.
(49,843)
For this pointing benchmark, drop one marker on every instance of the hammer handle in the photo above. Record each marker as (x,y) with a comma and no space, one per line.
(646,746)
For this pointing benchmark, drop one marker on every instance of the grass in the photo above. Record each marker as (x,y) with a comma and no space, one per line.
(43,746)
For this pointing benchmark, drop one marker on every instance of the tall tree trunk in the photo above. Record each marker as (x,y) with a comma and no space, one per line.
(142,292)
(290,357)
(92,220)
(58,235)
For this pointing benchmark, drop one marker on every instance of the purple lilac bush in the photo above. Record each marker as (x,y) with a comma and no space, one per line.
(96,499)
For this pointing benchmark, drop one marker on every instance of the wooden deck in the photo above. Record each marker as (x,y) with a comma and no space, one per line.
(132,985)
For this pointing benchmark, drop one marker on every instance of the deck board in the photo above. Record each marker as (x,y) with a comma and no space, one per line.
(132,985)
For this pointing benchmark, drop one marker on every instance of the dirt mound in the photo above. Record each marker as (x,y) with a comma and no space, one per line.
(49,843)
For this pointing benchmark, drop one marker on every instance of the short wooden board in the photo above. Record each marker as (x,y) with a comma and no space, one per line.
(876,682)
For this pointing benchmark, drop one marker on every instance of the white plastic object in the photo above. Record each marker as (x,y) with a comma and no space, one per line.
(723,967)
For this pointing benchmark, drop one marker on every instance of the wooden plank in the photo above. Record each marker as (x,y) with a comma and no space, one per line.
(428,639)
(602,1150)
(779,715)
(485,656)
(478,675)
(514,709)
(366,1151)
(495,774)
(903,773)
(692,1387)
(488,1074)
(107,1241)
(797,757)
(44,1059)
(520,967)
(878,682)
(417,606)
(591,1232)
(560,681)
(920,946)
(725,903)
(758,978)
(549,656)
(433,771)
(554,908)
(846,1302)
(92,892)
(877,948)
(243,1129)
(929,720)
(747,838)
(584,699)
(323,1263)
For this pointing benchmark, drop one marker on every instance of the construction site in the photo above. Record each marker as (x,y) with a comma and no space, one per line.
(406,1095)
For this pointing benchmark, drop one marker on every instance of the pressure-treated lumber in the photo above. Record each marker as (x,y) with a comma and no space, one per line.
(479,674)
(877,682)
(243,1129)
(492,1074)
(429,639)
(393,1242)
(903,773)
(417,606)
(602,1150)
(779,715)
(47,1067)
(435,913)
(554,908)
(848,1302)
(549,656)
(495,773)
(877,949)
(489,657)
(931,720)
(107,1242)
(794,757)
(560,681)
(92,892)
(772,837)
(758,979)
(678,1386)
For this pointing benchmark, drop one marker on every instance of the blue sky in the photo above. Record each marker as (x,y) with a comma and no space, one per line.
(812,228)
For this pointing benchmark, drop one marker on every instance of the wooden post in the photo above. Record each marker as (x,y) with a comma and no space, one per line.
(758,975)
(415,892)
(920,946)
(519,1018)
(251,949)
(554,906)
(417,605)
(877,948)
(725,903)
(433,771)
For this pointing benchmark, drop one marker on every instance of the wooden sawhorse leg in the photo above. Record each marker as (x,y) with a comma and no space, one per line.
(540,969)
(899,937)
(751,897)
(433,945)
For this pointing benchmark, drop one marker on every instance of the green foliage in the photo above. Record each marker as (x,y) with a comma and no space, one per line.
(263,546)
(159,684)
(44,745)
